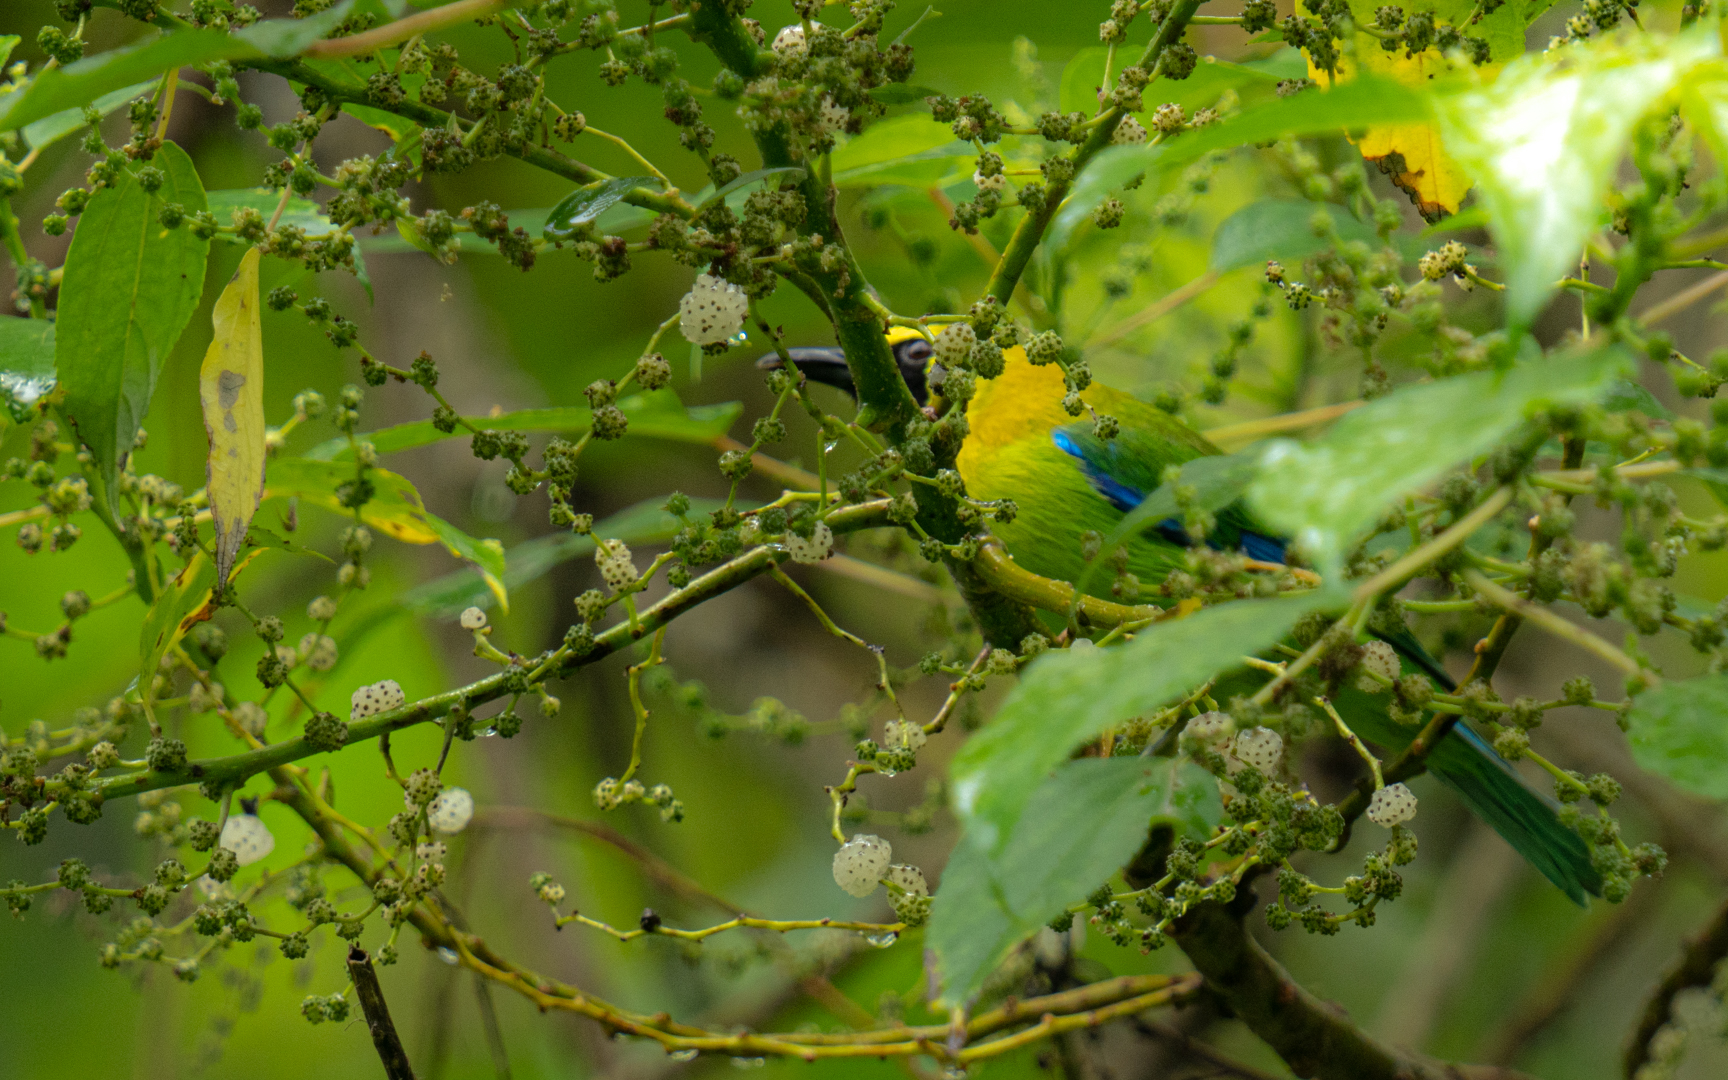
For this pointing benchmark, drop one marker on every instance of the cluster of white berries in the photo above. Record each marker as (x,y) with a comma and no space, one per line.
(712,311)
(996,182)
(374,699)
(1130,132)
(1210,729)
(616,567)
(251,716)
(814,550)
(908,893)
(898,734)
(473,619)
(1381,659)
(954,344)
(1392,805)
(451,811)
(318,651)
(789,41)
(1261,748)
(861,863)
(247,837)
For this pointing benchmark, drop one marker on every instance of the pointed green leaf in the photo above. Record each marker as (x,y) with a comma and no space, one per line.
(1542,142)
(1081,825)
(1328,492)
(1678,732)
(1069,696)
(129,287)
(1279,229)
(587,203)
(51,129)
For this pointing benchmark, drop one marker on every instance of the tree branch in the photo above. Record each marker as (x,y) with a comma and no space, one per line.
(1315,1039)
(371,995)
(1696,967)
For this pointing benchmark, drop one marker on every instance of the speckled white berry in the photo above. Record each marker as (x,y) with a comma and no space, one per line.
(247,837)
(861,862)
(451,811)
(1392,805)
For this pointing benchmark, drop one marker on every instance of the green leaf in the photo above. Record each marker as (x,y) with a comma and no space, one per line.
(1328,492)
(87,80)
(1080,826)
(129,287)
(1542,142)
(165,622)
(303,214)
(750,178)
(911,149)
(51,129)
(1081,77)
(1678,731)
(658,415)
(26,363)
(645,523)
(395,510)
(1069,696)
(1349,106)
(8,42)
(583,205)
(1279,229)
(900,93)
(1624,395)
(258,536)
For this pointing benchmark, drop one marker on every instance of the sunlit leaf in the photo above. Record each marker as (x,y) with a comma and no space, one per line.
(129,287)
(587,203)
(657,415)
(1677,731)
(231,391)
(1543,140)
(1070,696)
(1080,826)
(1328,492)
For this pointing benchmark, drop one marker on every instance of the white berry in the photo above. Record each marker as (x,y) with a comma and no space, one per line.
(451,811)
(1130,132)
(1381,659)
(1210,729)
(1260,747)
(1392,805)
(318,651)
(616,567)
(379,697)
(247,837)
(861,862)
(908,879)
(712,311)
(473,619)
(789,40)
(814,550)
(989,183)
(834,116)
(900,734)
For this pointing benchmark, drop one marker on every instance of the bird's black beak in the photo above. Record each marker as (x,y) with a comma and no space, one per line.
(828,366)
(824,365)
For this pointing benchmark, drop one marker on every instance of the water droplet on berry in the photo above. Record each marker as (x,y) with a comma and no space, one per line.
(448,956)
(881,941)
(684,1055)
(748,1063)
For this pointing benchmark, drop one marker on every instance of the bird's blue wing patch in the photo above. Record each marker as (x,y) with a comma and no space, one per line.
(1123,496)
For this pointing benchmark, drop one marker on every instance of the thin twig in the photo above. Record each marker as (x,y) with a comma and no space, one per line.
(1547,620)
(371,995)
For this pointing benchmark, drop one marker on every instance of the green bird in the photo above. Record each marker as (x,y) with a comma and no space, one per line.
(1067,481)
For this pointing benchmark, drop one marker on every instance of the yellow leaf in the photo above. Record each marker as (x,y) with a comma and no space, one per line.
(1411,155)
(231,387)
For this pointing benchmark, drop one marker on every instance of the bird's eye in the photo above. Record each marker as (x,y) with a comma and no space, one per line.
(917,350)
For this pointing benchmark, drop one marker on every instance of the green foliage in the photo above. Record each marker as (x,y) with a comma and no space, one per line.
(1677,732)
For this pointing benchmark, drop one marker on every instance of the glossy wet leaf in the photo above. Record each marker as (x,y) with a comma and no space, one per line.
(657,415)
(1326,493)
(587,203)
(130,285)
(1279,229)
(26,365)
(1081,825)
(1070,696)
(1678,732)
(231,392)
(1544,139)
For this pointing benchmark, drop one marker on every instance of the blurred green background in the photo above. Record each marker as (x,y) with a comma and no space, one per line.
(1479,960)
